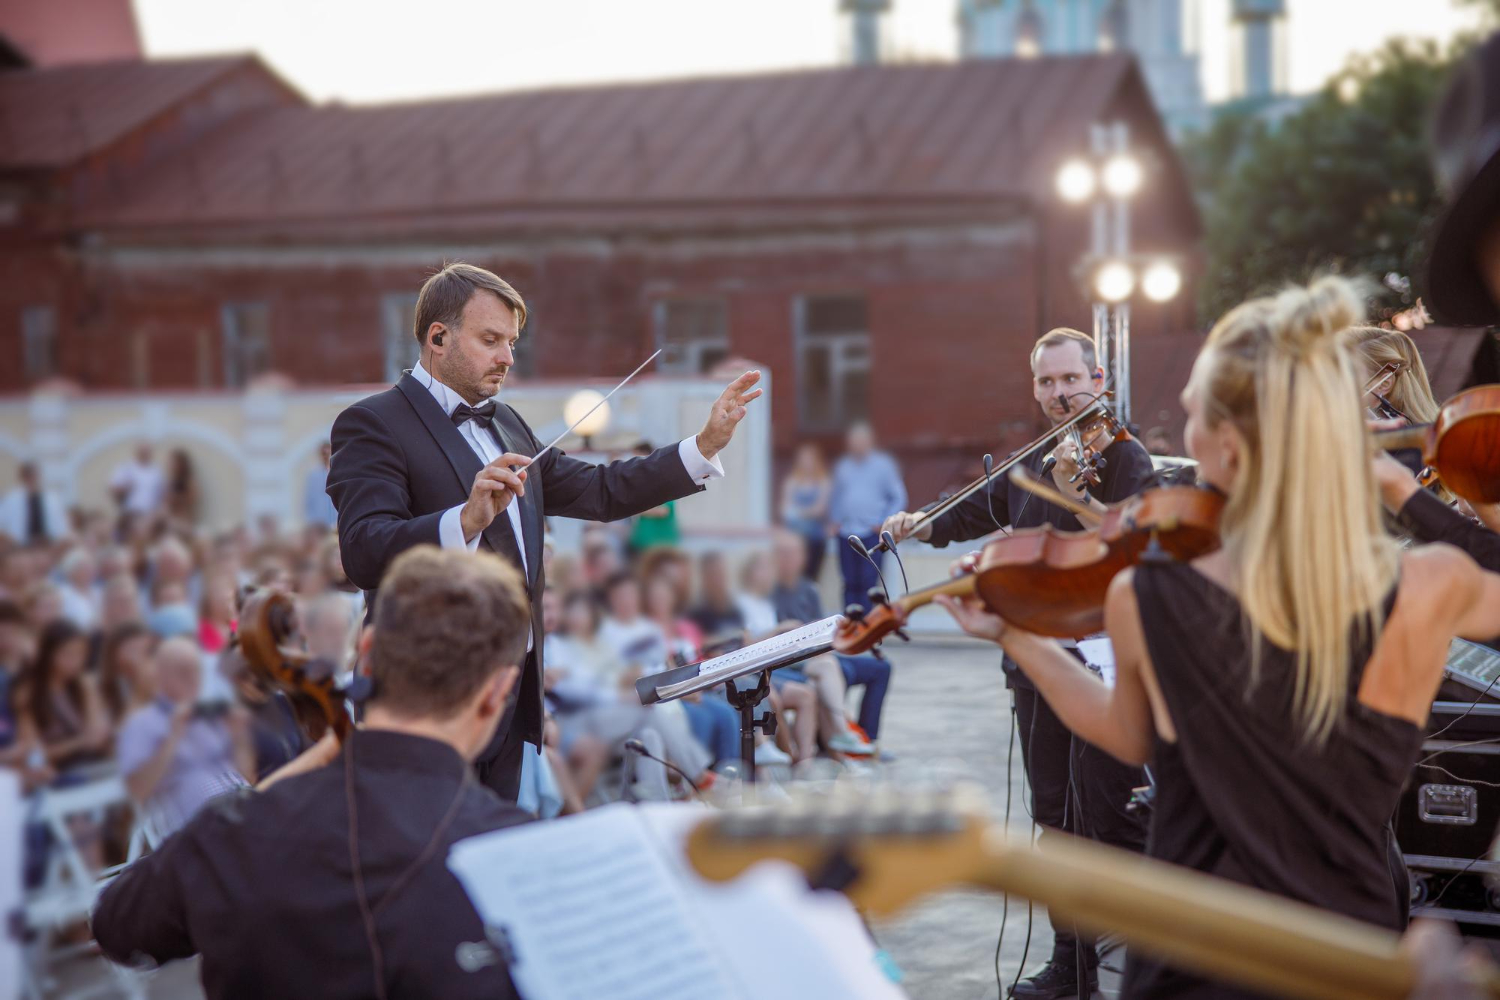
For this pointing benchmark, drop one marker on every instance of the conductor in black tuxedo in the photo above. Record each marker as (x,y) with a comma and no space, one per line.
(437,459)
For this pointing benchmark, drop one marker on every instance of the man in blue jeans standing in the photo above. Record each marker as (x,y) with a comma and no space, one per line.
(796,599)
(867,489)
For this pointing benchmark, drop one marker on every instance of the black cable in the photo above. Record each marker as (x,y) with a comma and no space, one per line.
(1010,757)
(857,544)
(635,746)
(1449,884)
(377,960)
(1472,705)
(1467,781)
(889,541)
(1030,905)
(989,492)
(1458,746)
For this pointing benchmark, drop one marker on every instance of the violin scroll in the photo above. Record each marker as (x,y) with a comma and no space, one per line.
(268,621)
(861,633)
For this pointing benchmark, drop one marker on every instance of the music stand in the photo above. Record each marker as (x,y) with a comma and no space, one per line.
(778,651)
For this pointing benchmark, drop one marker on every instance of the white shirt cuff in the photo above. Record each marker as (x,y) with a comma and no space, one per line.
(700,469)
(451,530)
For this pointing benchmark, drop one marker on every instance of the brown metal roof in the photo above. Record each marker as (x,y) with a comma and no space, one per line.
(798,142)
(56,116)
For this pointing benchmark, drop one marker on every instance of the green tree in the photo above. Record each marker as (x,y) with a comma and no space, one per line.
(1340,184)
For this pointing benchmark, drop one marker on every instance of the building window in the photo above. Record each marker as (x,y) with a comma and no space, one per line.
(833,361)
(247,341)
(693,335)
(399,312)
(39,342)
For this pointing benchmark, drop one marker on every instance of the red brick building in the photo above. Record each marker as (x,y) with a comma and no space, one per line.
(884,238)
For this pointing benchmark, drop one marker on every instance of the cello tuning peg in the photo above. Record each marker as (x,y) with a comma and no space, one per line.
(855,613)
(878,596)
(901,634)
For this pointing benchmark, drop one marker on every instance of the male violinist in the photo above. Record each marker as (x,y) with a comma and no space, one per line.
(329,880)
(1064,375)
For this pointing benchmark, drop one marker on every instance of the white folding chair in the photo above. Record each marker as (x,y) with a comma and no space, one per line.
(69,886)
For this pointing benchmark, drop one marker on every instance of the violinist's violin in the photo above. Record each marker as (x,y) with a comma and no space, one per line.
(1462,445)
(267,623)
(1054,582)
(1092,422)
(1092,435)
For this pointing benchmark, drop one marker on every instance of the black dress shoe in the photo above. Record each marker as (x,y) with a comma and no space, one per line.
(1055,980)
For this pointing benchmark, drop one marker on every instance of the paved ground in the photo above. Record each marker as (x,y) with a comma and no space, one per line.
(948,711)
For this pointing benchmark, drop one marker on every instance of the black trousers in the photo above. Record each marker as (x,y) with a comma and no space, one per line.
(499,766)
(1076,788)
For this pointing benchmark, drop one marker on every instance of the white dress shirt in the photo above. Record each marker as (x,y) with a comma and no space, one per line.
(144,485)
(487,447)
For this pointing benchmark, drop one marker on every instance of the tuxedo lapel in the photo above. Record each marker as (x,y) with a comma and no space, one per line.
(465,463)
(513,438)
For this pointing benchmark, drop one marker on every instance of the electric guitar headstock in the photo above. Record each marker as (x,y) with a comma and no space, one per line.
(885,846)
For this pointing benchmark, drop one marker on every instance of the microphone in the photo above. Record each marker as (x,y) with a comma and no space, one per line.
(859,546)
(638,748)
(889,541)
(1049,464)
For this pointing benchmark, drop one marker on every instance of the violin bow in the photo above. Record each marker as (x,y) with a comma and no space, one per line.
(1388,408)
(1029,481)
(949,502)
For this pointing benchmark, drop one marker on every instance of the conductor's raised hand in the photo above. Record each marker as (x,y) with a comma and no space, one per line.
(495,486)
(727,412)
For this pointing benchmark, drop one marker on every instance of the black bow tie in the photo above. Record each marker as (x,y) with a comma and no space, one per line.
(483,414)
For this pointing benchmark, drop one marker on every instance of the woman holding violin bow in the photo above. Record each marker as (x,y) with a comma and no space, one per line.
(1279,684)
(1090,463)
(1464,434)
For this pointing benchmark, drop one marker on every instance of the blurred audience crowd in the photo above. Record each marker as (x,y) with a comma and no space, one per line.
(117,656)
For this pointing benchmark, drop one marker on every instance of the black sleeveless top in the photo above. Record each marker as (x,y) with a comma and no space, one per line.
(1242,794)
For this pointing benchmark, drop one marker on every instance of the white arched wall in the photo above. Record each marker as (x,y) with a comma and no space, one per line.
(253,449)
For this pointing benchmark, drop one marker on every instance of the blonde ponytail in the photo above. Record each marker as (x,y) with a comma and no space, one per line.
(1302,527)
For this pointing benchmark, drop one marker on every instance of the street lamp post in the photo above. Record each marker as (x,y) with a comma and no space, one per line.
(1108,179)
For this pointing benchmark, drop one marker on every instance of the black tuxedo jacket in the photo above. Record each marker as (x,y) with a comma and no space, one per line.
(399,463)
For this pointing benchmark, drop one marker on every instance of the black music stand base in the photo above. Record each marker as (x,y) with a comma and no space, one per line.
(746,701)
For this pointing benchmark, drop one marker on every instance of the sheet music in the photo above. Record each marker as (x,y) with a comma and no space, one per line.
(819,943)
(605,905)
(788,647)
(1100,653)
(591,910)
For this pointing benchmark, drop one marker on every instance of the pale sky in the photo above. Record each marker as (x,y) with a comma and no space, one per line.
(381,50)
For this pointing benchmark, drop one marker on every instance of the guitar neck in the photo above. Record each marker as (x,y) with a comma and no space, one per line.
(1207,925)
(905,847)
